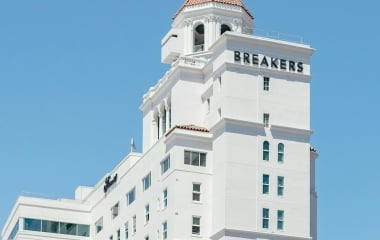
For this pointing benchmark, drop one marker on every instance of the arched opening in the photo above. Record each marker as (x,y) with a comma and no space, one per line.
(199,38)
(224,28)
(266,150)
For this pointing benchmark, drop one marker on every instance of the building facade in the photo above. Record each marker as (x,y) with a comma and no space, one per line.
(226,145)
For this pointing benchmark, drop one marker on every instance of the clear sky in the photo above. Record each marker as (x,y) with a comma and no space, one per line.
(73,72)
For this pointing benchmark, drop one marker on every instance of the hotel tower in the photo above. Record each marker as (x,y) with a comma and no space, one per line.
(226,151)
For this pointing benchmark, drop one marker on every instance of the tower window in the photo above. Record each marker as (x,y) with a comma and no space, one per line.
(265,218)
(224,28)
(265,184)
(266,150)
(280,156)
(266,120)
(199,38)
(280,185)
(266,83)
(280,220)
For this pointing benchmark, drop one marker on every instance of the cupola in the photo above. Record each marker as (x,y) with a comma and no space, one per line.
(199,23)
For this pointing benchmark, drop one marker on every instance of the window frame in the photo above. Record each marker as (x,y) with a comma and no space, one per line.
(280,185)
(265,218)
(115,210)
(165,198)
(134,224)
(126,230)
(266,150)
(266,184)
(195,158)
(196,227)
(129,194)
(165,165)
(196,192)
(280,152)
(266,82)
(280,220)
(165,230)
(266,117)
(147,182)
(147,213)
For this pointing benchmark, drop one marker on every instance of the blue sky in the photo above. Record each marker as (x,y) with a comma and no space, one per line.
(72,76)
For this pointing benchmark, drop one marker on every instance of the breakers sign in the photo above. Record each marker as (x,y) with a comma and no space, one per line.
(268,62)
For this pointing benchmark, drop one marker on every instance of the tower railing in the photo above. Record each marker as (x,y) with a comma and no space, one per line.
(278,35)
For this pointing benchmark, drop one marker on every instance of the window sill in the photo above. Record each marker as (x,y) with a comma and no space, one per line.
(197,202)
(196,236)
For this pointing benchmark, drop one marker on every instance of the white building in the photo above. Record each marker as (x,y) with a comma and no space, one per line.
(226,145)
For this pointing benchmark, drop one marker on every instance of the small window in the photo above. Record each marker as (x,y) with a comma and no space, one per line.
(131,196)
(196,226)
(224,28)
(280,185)
(165,198)
(111,237)
(196,192)
(146,182)
(165,165)
(266,150)
(126,231)
(195,158)
(266,120)
(99,225)
(199,38)
(115,210)
(265,218)
(147,213)
(266,83)
(164,230)
(163,119)
(146,238)
(280,156)
(265,184)
(280,220)
(134,227)
(118,234)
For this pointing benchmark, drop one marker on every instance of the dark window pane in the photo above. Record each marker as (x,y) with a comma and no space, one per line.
(32,224)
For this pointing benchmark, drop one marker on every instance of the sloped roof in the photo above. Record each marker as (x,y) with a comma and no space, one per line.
(231,2)
(188,127)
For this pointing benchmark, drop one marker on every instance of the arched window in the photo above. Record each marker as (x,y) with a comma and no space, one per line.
(280,153)
(266,150)
(158,125)
(224,28)
(199,38)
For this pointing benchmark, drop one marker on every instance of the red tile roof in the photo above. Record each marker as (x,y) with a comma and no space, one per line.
(188,127)
(231,2)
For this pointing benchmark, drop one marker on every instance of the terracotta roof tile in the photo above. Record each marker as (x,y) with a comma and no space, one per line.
(231,2)
(188,127)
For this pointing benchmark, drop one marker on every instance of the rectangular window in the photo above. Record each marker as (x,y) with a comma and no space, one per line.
(266,83)
(111,237)
(67,228)
(146,182)
(134,228)
(146,213)
(118,234)
(164,230)
(126,231)
(196,192)
(50,226)
(196,226)
(280,220)
(280,185)
(32,224)
(165,198)
(265,184)
(266,120)
(195,158)
(266,218)
(131,196)
(146,238)
(115,210)
(99,225)
(165,165)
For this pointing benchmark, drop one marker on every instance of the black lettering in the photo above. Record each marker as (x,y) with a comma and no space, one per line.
(283,64)
(300,67)
(274,62)
(292,66)
(246,58)
(255,59)
(237,56)
(264,61)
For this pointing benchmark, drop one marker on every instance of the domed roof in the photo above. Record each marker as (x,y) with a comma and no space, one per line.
(231,2)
